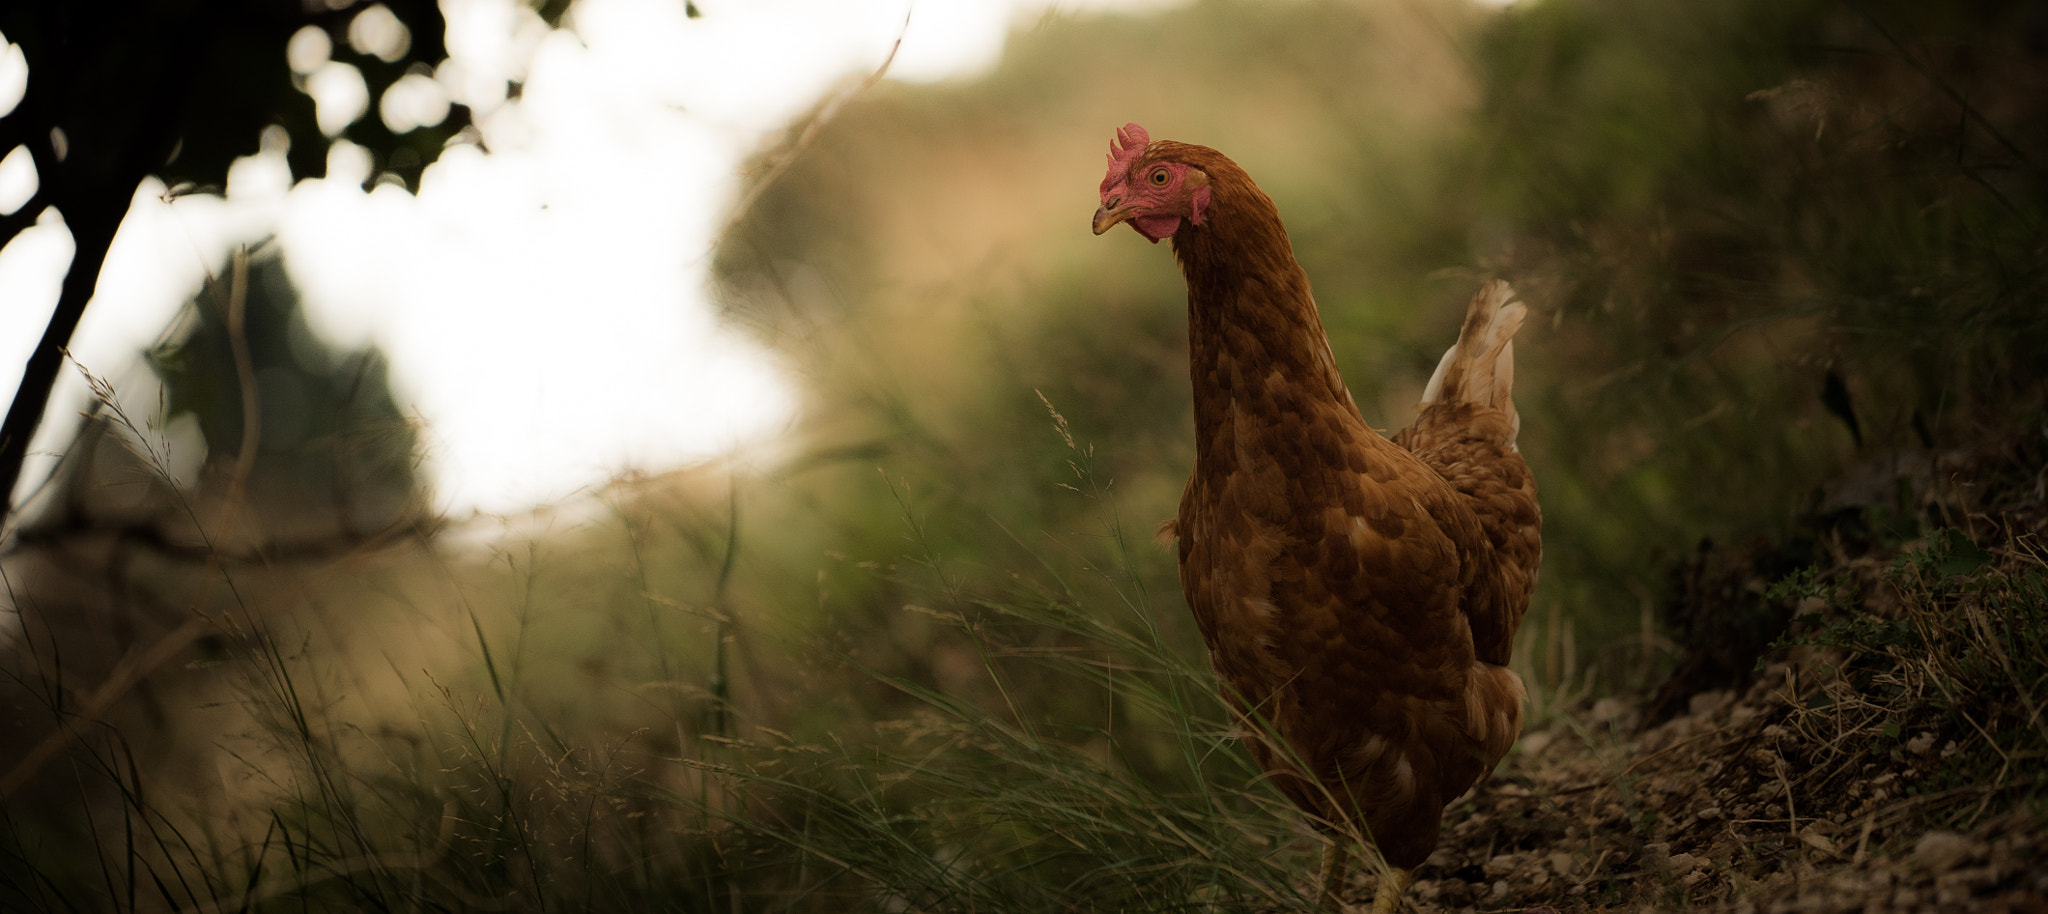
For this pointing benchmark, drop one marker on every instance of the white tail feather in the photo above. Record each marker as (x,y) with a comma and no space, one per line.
(1485,376)
(1435,387)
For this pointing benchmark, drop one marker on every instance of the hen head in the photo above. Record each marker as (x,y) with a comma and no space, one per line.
(1151,192)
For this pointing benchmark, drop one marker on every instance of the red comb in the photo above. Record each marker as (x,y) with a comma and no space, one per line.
(1129,144)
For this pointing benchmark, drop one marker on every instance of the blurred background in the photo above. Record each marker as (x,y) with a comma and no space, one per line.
(627,453)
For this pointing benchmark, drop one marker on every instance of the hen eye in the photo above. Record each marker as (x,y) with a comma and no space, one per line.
(1159,177)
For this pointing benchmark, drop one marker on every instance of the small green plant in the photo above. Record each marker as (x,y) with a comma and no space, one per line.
(1830,617)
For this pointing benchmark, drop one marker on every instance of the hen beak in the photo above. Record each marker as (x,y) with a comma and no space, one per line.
(1107,216)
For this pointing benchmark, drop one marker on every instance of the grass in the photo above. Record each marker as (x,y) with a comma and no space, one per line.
(1083,760)
(1945,646)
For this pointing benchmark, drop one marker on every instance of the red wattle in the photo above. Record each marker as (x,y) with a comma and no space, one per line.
(1155,228)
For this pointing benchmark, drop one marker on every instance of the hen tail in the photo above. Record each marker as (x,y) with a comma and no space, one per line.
(1466,433)
(1479,369)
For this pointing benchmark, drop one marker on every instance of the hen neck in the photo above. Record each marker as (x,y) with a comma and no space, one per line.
(1255,341)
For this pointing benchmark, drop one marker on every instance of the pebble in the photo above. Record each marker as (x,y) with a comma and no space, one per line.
(1610,710)
(1940,851)
(1562,863)
(1502,865)
(1706,703)
(1817,841)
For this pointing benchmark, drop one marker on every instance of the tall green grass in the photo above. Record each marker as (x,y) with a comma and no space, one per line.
(1079,759)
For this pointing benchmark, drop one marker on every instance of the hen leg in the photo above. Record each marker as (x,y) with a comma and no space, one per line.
(1387,898)
(1328,898)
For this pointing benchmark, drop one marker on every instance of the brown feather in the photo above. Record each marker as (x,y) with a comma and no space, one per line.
(1359,596)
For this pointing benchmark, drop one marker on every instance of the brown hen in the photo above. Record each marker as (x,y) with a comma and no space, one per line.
(1359,595)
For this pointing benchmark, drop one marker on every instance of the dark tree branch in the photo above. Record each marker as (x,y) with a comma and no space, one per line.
(167,87)
(93,232)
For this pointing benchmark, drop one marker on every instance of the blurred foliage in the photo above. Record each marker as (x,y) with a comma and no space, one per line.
(177,89)
(1776,240)
(329,436)
(1750,228)
(1770,243)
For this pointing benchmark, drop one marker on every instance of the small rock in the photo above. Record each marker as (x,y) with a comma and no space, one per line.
(1940,851)
(1502,865)
(1609,710)
(1919,745)
(1682,864)
(1674,730)
(1817,841)
(1562,863)
(1500,889)
(1706,703)
(1710,814)
(1535,743)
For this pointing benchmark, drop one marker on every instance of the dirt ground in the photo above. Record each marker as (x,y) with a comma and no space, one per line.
(1881,776)
(1738,805)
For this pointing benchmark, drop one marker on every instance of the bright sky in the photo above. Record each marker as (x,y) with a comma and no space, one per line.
(543,305)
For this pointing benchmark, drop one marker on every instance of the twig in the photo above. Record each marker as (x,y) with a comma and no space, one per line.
(245,376)
(824,116)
